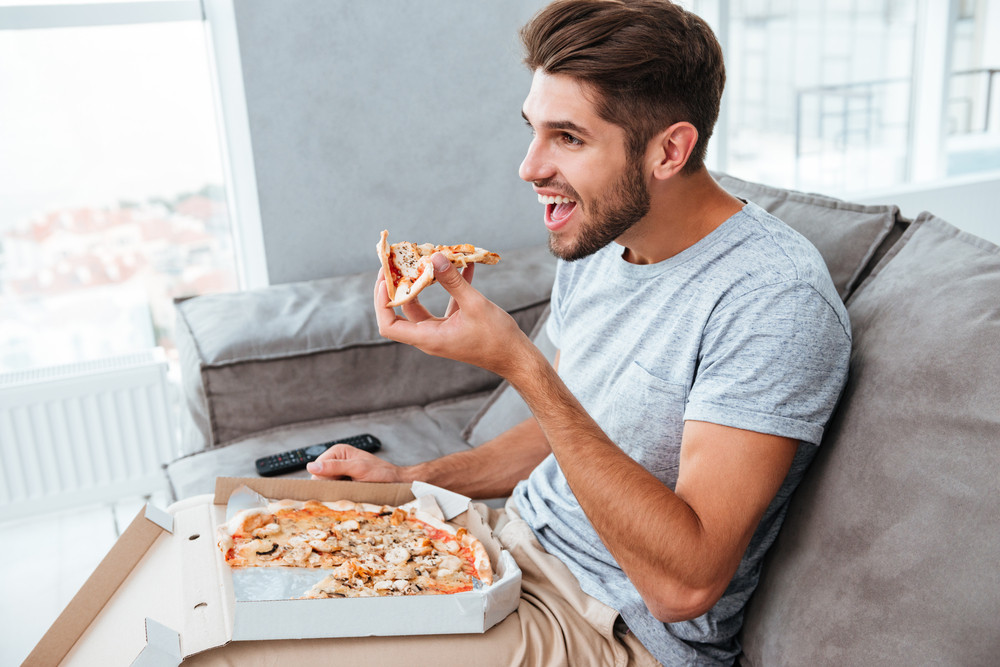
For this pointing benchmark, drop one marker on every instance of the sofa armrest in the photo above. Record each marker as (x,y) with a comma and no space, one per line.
(299,352)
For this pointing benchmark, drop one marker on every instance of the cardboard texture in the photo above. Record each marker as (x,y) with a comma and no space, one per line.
(164,592)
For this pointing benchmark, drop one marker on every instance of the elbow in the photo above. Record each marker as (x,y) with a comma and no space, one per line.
(683,605)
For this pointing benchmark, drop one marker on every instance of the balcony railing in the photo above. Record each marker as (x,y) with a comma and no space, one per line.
(968,102)
(871,121)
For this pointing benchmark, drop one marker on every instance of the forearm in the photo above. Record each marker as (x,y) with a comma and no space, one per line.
(652,533)
(490,470)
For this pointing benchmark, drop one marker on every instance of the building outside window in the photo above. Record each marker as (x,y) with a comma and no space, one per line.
(112,189)
(847,97)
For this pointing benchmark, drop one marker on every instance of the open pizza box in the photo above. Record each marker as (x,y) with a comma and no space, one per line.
(164,592)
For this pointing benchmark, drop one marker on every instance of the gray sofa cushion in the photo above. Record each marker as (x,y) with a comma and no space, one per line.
(293,353)
(409,435)
(846,235)
(889,552)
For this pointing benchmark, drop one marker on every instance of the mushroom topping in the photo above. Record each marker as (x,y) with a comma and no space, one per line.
(397,555)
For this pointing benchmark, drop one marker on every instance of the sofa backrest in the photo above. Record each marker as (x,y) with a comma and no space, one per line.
(849,236)
(889,551)
(298,352)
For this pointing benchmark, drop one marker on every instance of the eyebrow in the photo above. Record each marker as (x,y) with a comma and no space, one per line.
(563,125)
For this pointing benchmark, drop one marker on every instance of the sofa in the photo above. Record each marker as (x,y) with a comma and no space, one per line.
(889,553)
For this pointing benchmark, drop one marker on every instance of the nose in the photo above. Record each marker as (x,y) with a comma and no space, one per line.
(535,166)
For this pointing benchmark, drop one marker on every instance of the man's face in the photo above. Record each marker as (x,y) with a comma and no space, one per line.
(593,193)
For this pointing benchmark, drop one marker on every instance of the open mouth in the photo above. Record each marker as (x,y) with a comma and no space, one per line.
(557,210)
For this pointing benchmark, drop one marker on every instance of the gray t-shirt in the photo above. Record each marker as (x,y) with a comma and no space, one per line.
(743,329)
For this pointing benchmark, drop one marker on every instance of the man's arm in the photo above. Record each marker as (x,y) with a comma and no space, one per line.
(679,548)
(490,470)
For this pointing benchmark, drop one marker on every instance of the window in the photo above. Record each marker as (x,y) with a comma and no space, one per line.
(112,195)
(973,111)
(847,97)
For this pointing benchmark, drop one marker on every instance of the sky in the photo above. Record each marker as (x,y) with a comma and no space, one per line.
(90,116)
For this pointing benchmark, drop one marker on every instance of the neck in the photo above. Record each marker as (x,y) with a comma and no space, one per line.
(683,210)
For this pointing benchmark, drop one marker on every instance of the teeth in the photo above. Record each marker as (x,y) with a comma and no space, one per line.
(546,199)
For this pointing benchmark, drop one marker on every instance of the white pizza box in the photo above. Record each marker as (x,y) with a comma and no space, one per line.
(164,592)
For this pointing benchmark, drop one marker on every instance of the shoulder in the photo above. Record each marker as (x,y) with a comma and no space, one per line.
(782,250)
(768,261)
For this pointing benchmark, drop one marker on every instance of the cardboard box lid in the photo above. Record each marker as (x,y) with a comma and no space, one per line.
(136,595)
(162,593)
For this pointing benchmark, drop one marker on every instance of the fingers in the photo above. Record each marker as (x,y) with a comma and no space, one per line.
(407,329)
(391,325)
(415,311)
(468,271)
(467,274)
(384,314)
(457,284)
(381,294)
(346,462)
(338,462)
(446,274)
(328,469)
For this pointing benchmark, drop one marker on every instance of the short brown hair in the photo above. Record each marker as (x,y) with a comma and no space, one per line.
(651,63)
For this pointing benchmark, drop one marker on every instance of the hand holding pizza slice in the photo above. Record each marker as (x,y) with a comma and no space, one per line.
(407,266)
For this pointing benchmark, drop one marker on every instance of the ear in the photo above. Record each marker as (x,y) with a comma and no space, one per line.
(672,148)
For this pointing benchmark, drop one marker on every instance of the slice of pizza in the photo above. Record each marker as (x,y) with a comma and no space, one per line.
(407,266)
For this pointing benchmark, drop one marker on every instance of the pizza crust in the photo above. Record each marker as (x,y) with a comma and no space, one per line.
(407,266)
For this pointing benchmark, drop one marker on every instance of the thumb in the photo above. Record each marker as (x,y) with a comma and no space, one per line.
(448,275)
(317,467)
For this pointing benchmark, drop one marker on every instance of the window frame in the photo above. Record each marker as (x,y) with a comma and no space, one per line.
(219,22)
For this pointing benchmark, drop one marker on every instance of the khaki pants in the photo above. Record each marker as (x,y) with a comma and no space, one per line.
(556,623)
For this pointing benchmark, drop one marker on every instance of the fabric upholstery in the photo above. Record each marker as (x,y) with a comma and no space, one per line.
(255,360)
(889,552)
(409,435)
(847,235)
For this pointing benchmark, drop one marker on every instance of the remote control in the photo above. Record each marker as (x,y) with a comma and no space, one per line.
(296,459)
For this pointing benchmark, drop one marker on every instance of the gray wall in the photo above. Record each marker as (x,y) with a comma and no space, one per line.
(968,202)
(398,115)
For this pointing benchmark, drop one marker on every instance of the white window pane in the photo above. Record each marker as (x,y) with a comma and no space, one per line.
(973,113)
(819,94)
(112,198)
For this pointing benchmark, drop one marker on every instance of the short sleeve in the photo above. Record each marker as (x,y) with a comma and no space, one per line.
(773,361)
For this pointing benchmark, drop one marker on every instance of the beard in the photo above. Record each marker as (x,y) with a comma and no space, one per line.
(609,216)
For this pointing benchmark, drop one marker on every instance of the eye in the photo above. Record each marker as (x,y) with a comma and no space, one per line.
(571,140)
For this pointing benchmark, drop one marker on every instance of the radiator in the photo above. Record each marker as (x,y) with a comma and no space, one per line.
(84,433)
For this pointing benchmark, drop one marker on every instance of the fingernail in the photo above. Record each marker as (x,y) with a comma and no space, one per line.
(440,262)
(314,467)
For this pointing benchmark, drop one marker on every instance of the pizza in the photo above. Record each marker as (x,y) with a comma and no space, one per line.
(366,550)
(407,266)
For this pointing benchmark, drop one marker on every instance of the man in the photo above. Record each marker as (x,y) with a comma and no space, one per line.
(702,346)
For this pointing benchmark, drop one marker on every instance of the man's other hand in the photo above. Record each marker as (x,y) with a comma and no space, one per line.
(345,462)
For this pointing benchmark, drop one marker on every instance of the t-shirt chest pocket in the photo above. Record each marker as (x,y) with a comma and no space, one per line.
(645,417)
